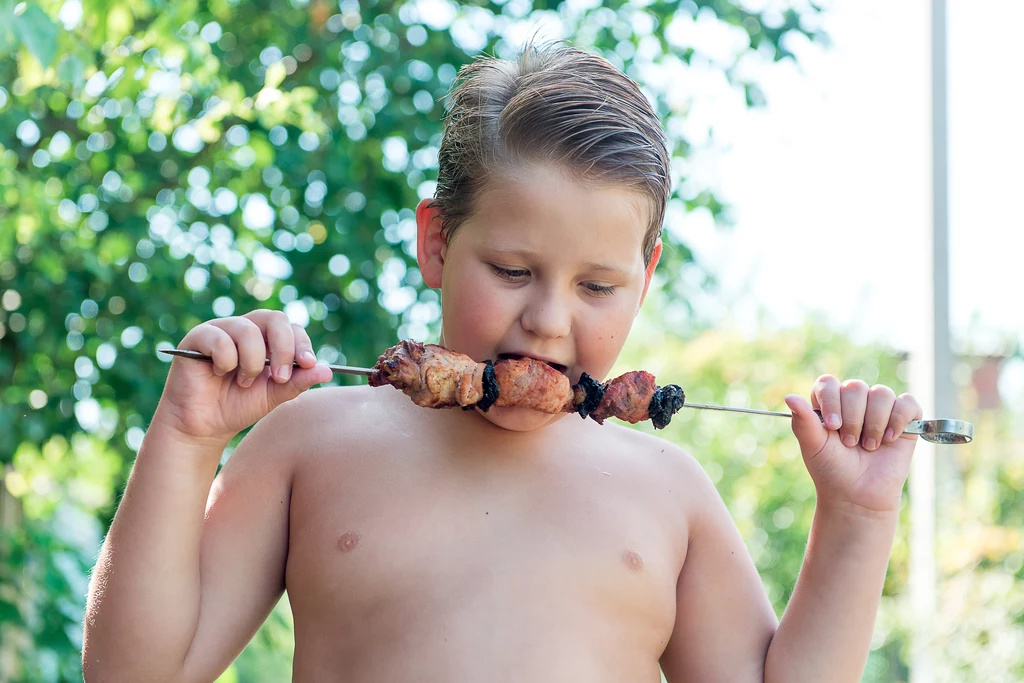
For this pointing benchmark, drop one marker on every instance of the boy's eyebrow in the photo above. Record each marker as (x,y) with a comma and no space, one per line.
(600,266)
(527,254)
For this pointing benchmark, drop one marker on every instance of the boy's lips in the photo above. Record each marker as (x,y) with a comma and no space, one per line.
(554,364)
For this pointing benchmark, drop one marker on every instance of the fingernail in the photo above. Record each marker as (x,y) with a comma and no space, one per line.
(247,382)
(284,372)
(888,434)
(834,421)
(870,444)
(308,356)
(849,440)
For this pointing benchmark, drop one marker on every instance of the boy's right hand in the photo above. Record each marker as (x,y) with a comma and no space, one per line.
(212,401)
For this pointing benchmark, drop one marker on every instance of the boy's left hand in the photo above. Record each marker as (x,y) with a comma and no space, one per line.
(859,457)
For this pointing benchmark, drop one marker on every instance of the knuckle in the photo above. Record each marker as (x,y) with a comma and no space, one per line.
(850,427)
(222,345)
(302,340)
(823,392)
(857,385)
(908,398)
(248,327)
(912,403)
(881,390)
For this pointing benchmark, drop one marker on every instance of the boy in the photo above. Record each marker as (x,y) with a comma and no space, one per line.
(511,545)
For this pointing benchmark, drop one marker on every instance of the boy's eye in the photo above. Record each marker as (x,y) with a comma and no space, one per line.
(599,290)
(510,274)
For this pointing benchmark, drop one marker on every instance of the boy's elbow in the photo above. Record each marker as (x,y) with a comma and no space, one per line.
(112,669)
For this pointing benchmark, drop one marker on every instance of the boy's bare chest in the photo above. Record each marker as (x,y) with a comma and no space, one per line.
(423,537)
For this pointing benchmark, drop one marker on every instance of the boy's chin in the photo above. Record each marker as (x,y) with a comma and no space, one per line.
(519,419)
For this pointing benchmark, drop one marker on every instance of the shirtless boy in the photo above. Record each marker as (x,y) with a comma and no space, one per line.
(460,546)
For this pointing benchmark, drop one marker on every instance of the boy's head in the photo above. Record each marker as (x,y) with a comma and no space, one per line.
(557,106)
(545,227)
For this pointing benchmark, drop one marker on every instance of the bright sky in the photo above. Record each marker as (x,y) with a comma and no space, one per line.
(831,181)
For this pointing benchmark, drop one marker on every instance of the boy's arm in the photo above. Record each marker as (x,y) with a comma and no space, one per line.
(724,621)
(187,574)
(725,627)
(859,459)
(825,633)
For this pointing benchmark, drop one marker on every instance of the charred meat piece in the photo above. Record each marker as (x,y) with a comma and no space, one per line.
(587,395)
(665,403)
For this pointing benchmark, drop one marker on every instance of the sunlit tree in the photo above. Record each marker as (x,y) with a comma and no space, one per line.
(162,163)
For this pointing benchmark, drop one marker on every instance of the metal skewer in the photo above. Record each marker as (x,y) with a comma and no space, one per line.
(339,369)
(942,431)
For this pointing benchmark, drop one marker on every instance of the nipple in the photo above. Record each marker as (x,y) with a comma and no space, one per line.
(348,541)
(633,560)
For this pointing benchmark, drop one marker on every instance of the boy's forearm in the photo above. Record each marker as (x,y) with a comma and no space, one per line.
(825,633)
(144,595)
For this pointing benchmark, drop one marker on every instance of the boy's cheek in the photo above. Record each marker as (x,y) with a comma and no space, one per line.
(600,339)
(474,317)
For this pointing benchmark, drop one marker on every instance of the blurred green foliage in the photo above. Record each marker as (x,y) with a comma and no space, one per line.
(164,163)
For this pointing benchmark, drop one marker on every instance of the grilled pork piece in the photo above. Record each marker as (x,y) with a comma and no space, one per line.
(533,384)
(431,375)
(626,397)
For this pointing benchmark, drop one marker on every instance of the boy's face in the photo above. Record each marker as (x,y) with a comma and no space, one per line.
(546,268)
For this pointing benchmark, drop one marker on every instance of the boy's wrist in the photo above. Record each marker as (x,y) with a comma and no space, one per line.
(166,427)
(835,514)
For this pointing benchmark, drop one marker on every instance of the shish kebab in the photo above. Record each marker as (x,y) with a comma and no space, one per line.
(436,377)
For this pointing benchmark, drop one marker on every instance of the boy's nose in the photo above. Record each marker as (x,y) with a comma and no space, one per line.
(547,318)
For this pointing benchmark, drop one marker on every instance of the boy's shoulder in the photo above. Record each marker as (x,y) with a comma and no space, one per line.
(370,420)
(322,411)
(656,451)
(662,462)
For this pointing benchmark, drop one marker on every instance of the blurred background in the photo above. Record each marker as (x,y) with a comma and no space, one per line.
(165,163)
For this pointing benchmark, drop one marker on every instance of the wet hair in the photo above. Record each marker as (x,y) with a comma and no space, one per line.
(554,105)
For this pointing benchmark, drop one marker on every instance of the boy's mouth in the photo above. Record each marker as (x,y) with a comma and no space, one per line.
(557,366)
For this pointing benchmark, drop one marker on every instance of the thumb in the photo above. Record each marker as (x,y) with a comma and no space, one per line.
(301,379)
(807,426)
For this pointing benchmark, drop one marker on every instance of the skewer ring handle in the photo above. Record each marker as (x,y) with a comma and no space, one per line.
(942,431)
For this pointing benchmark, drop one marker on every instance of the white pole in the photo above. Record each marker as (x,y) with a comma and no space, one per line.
(931,373)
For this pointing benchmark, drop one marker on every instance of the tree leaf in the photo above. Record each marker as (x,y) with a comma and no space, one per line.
(38,33)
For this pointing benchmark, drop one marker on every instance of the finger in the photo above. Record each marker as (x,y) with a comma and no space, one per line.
(280,344)
(854,399)
(825,396)
(904,411)
(881,400)
(304,354)
(807,426)
(302,379)
(252,349)
(216,343)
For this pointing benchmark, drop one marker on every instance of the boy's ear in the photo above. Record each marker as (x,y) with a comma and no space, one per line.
(430,244)
(649,272)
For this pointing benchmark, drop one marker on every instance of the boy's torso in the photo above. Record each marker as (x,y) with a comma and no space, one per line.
(427,545)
